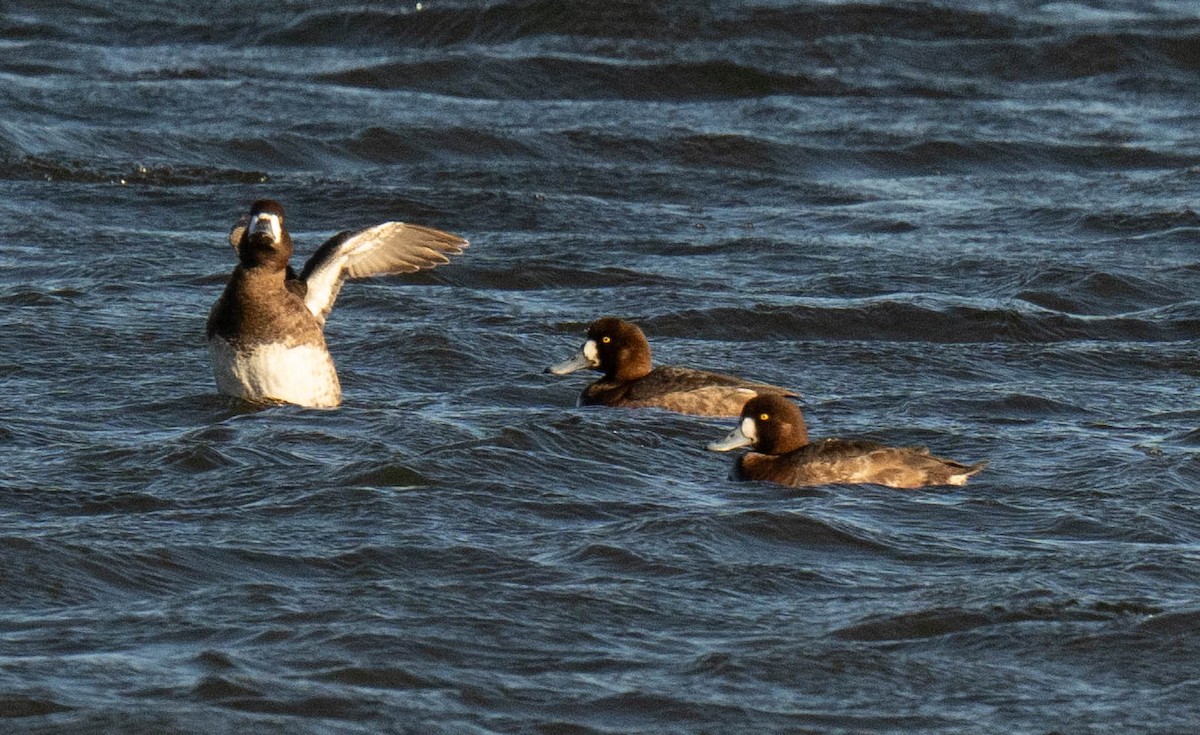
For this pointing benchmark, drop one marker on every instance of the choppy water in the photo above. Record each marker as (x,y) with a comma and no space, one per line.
(968,225)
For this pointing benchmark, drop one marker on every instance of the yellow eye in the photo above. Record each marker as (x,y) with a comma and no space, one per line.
(606,340)
(764,417)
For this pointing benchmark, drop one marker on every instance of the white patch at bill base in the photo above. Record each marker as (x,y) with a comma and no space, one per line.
(269,223)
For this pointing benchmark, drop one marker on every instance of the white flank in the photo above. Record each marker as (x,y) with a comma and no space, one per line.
(301,374)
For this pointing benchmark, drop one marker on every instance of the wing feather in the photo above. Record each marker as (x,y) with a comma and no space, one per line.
(386,249)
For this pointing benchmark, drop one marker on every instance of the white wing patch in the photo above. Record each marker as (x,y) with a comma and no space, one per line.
(386,249)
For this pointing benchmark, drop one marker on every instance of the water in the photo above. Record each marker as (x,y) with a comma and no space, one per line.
(968,225)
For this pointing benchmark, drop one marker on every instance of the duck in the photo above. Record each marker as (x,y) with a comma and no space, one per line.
(266,332)
(774,429)
(620,350)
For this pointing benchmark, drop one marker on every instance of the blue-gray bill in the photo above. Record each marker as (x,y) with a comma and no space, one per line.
(733,440)
(578,361)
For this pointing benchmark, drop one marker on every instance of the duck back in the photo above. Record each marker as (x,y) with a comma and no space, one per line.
(856,461)
(685,390)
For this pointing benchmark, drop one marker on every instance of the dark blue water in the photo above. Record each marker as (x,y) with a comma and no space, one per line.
(968,225)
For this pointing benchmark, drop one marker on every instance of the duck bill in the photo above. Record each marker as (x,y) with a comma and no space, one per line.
(733,440)
(578,361)
(587,357)
(268,225)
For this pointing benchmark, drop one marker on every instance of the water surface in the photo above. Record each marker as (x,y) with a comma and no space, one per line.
(966,225)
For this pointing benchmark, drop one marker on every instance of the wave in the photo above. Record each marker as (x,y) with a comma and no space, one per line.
(794,528)
(377,677)
(380,145)
(949,621)
(496,22)
(558,77)
(995,46)
(16,706)
(1140,223)
(629,19)
(731,532)
(1089,292)
(909,322)
(93,172)
(753,154)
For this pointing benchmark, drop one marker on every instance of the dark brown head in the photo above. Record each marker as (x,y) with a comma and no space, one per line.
(770,424)
(265,240)
(615,347)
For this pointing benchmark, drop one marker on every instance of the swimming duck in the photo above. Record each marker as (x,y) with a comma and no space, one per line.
(774,428)
(619,349)
(266,333)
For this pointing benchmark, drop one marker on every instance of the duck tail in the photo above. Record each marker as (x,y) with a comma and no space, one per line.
(960,478)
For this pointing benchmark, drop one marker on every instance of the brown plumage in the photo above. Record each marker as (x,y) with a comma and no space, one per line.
(620,350)
(263,298)
(774,428)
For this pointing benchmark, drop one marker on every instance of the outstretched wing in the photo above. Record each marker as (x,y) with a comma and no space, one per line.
(389,248)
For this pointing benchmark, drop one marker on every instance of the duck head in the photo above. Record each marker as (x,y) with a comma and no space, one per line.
(615,347)
(264,239)
(770,424)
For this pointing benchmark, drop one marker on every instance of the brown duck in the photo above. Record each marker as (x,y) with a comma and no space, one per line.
(619,349)
(774,428)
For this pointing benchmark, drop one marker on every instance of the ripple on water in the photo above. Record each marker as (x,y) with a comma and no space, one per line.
(951,621)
